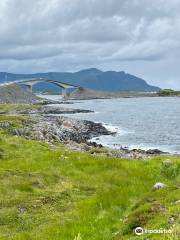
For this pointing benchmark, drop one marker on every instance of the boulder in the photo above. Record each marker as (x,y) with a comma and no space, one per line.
(167,163)
(154,151)
(158,186)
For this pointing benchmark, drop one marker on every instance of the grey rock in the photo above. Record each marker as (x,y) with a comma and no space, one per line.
(5,124)
(62,129)
(45,110)
(154,151)
(158,185)
(177,202)
(171,220)
(167,163)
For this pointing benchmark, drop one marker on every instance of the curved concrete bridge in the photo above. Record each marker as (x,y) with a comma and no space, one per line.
(31,82)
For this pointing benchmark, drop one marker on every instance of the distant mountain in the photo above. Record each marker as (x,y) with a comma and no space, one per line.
(89,78)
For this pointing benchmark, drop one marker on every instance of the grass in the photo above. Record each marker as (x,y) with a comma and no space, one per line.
(16,107)
(48,192)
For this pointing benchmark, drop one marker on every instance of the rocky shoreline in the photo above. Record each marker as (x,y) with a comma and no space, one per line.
(61,129)
(75,134)
(48,110)
(47,126)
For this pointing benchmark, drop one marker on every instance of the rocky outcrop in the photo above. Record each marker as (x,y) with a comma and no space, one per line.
(61,110)
(62,129)
(48,110)
(127,153)
(76,135)
(73,132)
(48,101)
(85,94)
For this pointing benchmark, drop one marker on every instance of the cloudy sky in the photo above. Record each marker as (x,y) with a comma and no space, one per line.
(141,37)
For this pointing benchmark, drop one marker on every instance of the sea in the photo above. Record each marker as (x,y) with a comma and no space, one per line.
(141,123)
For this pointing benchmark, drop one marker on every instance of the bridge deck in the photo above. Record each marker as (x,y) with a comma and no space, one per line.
(31,82)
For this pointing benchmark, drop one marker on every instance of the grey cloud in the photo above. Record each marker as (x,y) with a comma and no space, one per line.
(45,35)
(148,50)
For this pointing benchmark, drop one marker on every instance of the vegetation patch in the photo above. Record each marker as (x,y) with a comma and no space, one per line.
(1,153)
(55,193)
(50,192)
(9,107)
(168,93)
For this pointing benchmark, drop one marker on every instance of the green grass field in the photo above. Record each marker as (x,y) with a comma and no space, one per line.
(48,192)
(16,107)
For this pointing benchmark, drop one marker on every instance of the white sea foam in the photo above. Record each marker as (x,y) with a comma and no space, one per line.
(111,141)
(115,129)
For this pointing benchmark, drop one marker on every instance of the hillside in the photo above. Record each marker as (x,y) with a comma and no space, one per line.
(15,94)
(92,78)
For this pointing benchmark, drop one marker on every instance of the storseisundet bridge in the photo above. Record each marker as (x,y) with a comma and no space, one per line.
(31,82)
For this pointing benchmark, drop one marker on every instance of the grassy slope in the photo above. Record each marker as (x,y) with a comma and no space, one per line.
(16,107)
(49,192)
(15,93)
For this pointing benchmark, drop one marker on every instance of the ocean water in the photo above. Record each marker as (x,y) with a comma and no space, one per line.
(145,123)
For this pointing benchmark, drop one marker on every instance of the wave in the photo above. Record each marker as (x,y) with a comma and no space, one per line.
(114,128)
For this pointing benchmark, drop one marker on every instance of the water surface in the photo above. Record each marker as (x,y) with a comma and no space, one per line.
(150,122)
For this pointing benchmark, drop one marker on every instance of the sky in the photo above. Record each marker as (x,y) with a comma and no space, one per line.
(141,37)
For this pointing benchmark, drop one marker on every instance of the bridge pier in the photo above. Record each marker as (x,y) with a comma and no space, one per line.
(64,92)
(30,88)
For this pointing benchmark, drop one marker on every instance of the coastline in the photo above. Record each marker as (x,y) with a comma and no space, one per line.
(76,134)
(49,172)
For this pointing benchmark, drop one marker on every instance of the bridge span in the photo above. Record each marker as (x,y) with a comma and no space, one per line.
(31,82)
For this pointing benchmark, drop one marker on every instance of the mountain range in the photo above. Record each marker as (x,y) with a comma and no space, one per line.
(91,78)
